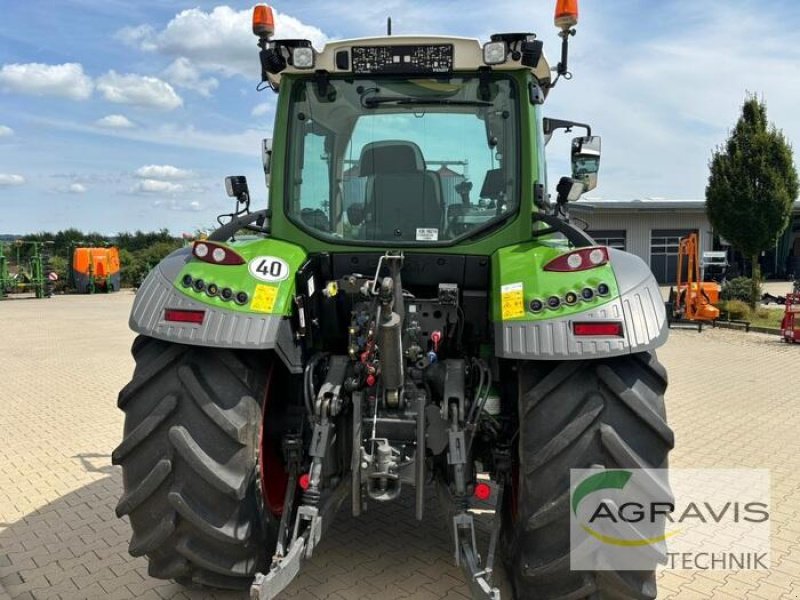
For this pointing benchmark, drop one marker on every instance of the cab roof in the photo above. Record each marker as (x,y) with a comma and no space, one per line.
(467,55)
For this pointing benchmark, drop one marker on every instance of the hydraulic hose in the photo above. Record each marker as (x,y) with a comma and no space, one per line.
(476,363)
(308,383)
(485,369)
(480,401)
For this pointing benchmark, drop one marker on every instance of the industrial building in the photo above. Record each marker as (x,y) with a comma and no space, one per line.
(651,229)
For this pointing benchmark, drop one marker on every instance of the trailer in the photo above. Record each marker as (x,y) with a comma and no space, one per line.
(95,270)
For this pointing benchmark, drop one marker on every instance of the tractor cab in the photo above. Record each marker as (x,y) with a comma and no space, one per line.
(411,141)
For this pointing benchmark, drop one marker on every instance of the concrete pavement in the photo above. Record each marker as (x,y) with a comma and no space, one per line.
(734,401)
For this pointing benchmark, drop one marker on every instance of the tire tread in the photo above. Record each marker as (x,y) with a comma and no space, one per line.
(605,413)
(189,463)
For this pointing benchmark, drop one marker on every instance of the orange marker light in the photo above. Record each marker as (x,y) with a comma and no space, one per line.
(566,13)
(263,20)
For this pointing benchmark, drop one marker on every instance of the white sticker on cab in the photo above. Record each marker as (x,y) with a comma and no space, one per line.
(427,234)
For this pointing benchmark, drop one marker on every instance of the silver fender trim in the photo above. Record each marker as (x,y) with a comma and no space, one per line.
(639,307)
(220,328)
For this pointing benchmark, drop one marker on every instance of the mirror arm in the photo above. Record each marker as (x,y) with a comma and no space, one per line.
(577,237)
(227,231)
(550,125)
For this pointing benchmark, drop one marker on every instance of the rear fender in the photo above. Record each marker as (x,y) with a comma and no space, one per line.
(633,299)
(262,322)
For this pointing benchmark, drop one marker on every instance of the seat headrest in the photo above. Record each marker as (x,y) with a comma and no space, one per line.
(389,157)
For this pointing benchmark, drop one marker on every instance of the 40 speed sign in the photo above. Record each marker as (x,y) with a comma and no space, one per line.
(269,268)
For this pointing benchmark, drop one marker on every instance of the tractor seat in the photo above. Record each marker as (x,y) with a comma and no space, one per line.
(401,195)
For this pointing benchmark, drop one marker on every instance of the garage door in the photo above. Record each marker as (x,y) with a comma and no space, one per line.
(664,253)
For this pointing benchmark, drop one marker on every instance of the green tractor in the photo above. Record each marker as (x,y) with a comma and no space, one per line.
(410,311)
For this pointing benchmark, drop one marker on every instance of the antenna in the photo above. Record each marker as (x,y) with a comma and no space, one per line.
(388,25)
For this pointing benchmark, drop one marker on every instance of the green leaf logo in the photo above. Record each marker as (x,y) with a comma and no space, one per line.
(609,480)
(601,481)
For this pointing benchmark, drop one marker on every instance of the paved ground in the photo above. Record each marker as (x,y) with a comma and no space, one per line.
(734,401)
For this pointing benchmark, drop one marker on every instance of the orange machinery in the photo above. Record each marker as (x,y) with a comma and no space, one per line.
(695,299)
(95,269)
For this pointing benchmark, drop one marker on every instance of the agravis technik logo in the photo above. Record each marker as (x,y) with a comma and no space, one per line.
(637,519)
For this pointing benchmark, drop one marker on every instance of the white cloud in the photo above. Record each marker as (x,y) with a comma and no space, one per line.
(6,131)
(67,80)
(246,143)
(138,90)
(155,186)
(183,73)
(77,188)
(178,204)
(115,122)
(162,172)
(138,36)
(221,40)
(259,110)
(10,180)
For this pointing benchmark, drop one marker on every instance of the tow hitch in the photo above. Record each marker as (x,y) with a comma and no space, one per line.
(467,557)
(285,568)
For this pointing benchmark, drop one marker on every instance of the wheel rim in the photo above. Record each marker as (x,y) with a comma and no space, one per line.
(273,477)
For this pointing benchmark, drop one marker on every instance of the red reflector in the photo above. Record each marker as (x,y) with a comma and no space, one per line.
(607,329)
(482,491)
(304,481)
(184,316)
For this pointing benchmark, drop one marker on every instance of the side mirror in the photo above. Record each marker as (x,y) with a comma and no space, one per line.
(569,190)
(266,157)
(355,214)
(236,187)
(586,160)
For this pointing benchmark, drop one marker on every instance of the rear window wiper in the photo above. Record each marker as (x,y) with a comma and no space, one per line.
(373,101)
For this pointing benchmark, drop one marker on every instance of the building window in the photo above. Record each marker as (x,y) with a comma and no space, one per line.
(613,238)
(665,245)
(665,242)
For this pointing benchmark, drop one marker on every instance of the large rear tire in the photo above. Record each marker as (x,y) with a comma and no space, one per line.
(578,414)
(189,461)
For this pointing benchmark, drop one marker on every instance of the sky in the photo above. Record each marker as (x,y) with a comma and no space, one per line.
(120,115)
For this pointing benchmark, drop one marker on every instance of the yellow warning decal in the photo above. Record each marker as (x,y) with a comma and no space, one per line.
(264,298)
(513,302)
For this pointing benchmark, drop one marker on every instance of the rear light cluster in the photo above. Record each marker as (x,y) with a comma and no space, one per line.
(571,298)
(579,260)
(216,254)
(213,290)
